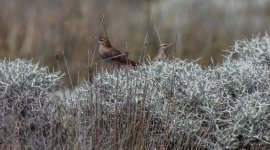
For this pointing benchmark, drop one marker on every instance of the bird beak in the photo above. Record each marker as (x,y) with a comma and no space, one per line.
(95,37)
(170,44)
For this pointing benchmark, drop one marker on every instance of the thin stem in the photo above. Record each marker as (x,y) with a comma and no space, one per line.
(175,45)
(104,27)
(144,47)
(145,42)
(78,74)
(68,71)
(100,27)
(157,34)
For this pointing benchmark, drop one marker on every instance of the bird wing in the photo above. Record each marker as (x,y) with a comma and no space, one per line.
(116,55)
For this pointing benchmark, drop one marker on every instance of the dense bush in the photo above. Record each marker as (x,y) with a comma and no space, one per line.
(30,116)
(163,105)
(226,106)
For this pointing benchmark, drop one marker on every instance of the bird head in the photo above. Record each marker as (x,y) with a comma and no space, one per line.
(104,41)
(165,46)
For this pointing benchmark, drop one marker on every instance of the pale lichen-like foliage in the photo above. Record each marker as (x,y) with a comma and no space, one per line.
(177,103)
(229,102)
(22,75)
(29,111)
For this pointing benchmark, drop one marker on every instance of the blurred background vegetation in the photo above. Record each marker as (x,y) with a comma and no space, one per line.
(40,29)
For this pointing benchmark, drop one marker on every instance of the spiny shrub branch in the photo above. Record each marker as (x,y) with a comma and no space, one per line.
(163,105)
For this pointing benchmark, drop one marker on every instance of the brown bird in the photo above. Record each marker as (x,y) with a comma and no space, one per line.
(161,55)
(111,54)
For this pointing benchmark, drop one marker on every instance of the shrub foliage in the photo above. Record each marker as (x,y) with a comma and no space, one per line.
(29,116)
(163,105)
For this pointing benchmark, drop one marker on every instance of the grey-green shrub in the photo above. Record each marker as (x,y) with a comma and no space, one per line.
(170,105)
(230,102)
(29,113)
